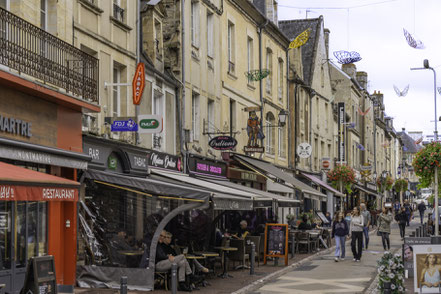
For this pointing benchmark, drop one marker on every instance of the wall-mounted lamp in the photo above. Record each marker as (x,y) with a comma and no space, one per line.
(67,223)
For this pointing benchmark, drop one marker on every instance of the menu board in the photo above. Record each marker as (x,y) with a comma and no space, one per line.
(276,241)
(4,221)
(40,276)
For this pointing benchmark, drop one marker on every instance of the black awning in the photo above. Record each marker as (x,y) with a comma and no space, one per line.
(148,185)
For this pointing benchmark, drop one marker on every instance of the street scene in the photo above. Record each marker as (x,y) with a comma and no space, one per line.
(219,146)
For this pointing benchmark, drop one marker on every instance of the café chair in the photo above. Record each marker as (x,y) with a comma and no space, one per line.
(304,241)
(240,255)
(314,240)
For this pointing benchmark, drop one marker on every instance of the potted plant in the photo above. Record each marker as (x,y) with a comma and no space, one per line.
(342,176)
(425,162)
(400,186)
(391,274)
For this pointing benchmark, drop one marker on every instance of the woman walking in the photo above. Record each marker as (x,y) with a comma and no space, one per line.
(339,231)
(401,218)
(384,220)
(357,225)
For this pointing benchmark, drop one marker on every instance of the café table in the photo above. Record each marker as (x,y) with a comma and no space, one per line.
(192,258)
(225,252)
(132,256)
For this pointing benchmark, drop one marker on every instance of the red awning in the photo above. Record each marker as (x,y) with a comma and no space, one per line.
(21,184)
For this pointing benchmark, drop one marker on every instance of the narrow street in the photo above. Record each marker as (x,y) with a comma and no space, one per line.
(324,275)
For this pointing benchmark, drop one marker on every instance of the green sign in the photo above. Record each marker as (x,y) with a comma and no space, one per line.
(149,124)
(112,163)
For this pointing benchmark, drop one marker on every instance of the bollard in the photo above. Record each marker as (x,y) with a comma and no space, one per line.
(252,258)
(174,278)
(123,287)
(386,288)
(293,247)
(417,232)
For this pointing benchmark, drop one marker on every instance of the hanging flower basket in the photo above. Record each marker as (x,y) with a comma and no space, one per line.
(343,174)
(400,185)
(391,272)
(385,184)
(425,161)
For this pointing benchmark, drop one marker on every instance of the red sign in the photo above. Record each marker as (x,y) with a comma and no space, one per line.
(138,83)
(33,193)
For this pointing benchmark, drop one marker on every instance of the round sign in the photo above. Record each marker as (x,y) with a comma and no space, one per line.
(304,150)
(223,143)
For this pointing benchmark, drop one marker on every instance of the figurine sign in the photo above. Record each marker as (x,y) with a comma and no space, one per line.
(254,133)
(304,150)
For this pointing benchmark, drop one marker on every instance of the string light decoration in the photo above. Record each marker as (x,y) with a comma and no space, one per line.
(257,75)
(301,39)
(412,41)
(345,57)
(401,93)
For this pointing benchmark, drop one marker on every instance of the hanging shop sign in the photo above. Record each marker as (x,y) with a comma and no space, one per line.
(138,83)
(124,126)
(326,163)
(149,124)
(254,149)
(198,166)
(366,167)
(341,132)
(223,143)
(304,150)
(164,161)
(255,134)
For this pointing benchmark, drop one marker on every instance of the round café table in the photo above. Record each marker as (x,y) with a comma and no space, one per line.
(192,258)
(225,252)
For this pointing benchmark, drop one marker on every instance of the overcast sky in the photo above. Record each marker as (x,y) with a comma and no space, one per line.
(374,29)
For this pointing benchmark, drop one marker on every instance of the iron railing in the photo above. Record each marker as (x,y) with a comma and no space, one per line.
(35,52)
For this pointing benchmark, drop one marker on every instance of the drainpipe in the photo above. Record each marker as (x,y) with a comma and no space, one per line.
(287,105)
(183,151)
(296,121)
(310,127)
(259,32)
(138,58)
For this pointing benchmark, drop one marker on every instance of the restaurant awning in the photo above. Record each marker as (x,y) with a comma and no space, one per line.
(267,169)
(323,185)
(22,184)
(151,186)
(366,190)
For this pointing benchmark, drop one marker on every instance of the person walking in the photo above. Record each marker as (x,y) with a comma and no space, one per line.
(339,231)
(397,207)
(367,221)
(384,221)
(408,211)
(422,209)
(401,218)
(356,229)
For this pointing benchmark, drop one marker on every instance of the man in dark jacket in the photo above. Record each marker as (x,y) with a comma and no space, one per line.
(408,209)
(421,209)
(401,218)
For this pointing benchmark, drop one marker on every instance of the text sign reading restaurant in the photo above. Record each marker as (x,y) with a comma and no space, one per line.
(200,166)
(30,193)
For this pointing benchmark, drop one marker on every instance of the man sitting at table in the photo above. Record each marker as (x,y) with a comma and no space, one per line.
(119,243)
(243,230)
(304,224)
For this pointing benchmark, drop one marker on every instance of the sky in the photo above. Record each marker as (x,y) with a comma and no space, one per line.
(374,29)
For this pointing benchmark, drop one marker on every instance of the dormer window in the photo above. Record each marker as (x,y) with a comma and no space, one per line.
(158,44)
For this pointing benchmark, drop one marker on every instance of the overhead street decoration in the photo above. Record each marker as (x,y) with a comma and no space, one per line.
(257,74)
(401,93)
(345,57)
(138,83)
(301,39)
(412,41)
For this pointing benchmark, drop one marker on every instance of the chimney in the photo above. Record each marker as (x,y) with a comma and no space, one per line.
(327,32)
(362,79)
(404,130)
(350,69)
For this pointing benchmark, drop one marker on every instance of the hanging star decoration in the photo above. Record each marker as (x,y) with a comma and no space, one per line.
(361,147)
(401,93)
(419,141)
(414,43)
(301,39)
(363,113)
(345,57)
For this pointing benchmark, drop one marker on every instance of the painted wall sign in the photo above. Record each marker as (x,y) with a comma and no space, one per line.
(200,166)
(341,131)
(138,83)
(150,124)
(124,126)
(164,161)
(15,126)
(304,150)
(223,143)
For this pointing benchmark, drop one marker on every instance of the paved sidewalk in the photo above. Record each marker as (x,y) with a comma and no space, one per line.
(323,275)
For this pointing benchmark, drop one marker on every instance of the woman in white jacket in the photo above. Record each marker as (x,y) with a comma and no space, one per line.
(357,225)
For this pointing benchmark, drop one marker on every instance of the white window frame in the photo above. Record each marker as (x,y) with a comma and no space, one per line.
(231,47)
(210,116)
(210,34)
(269,64)
(280,80)
(282,149)
(195,115)
(43,14)
(269,136)
(158,108)
(195,23)
(250,55)
(116,90)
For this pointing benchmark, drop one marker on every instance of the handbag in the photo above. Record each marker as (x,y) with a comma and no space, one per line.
(378,233)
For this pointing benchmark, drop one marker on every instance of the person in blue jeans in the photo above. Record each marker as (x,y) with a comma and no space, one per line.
(367,221)
(340,230)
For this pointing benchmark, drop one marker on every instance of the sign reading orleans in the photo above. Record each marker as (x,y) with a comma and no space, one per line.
(223,143)
(15,126)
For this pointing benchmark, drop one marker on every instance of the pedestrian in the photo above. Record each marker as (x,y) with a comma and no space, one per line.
(401,218)
(356,229)
(397,207)
(339,231)
(422,209)
(367,221)
(408,211)
(384,221)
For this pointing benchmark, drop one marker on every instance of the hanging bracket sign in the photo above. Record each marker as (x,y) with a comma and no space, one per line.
(138,83)
(223,143)
(304,150)
(149,124)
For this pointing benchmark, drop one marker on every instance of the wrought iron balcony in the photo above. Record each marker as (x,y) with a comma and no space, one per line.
(34,52)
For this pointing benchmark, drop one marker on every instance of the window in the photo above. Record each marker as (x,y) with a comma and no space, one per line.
(326,115)
(195,24)
(210,116)
(282,146)
(195,120)
(270,133)
(43,14)
(158,39)
(210,34)
(231,48)
(232,116)
(316,147)
(250,57)
(116,107)
(158,109)
(269,66)
(280,80)
(118,11)
(4,4)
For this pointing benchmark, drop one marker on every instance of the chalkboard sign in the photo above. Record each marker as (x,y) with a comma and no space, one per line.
(40,276)
(276,241)
(4,221)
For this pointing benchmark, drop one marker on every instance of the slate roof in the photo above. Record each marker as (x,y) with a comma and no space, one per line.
(260,5)
(409,143)
(292,28)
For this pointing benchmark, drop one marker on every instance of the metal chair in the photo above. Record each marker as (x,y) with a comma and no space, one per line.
(314,239)
(303,239)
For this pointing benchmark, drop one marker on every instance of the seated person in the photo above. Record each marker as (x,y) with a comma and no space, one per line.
(316,224)
(119,243)
(304,225)
(243,231)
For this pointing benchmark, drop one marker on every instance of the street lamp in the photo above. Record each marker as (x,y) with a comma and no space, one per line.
(283,115)
(435,133)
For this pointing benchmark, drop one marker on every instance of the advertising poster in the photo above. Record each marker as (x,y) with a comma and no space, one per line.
(409,243)
(427,268)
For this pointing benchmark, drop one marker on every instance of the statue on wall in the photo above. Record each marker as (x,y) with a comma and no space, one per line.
(253,129)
